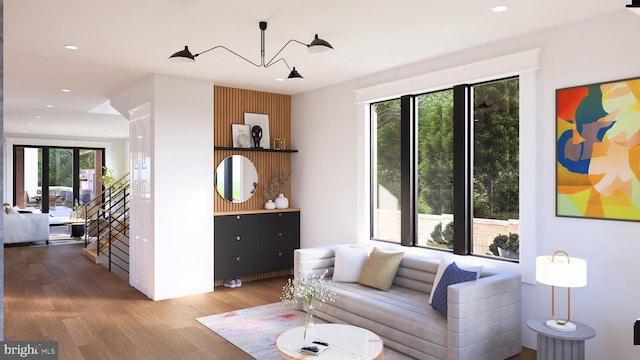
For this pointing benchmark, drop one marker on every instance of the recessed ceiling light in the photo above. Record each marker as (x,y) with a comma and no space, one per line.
(49,105)
(71,47)
(65,90)
(279,79)
(38,116)
(499,8)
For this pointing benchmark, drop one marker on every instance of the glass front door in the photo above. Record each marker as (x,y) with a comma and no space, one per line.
(53,180)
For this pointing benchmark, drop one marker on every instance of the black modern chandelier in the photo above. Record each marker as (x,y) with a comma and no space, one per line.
(316,45)
(634,6)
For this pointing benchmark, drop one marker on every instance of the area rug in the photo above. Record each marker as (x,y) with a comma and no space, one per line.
(256,329)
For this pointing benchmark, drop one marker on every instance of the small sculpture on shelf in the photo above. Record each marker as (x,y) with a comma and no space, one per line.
(256,133)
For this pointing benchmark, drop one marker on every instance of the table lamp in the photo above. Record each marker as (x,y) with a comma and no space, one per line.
(563,271)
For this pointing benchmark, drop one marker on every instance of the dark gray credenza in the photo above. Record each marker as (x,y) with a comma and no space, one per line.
(255,243)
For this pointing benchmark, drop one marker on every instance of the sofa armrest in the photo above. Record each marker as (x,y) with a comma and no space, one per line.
(484,317)
(317,259)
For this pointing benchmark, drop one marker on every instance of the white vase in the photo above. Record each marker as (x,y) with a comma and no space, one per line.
(269,205)
(281,202)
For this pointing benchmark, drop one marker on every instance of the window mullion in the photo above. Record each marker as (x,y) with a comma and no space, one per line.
(462,167)
(408,170)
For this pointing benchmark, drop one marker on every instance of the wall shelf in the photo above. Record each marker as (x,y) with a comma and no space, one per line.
(254,149)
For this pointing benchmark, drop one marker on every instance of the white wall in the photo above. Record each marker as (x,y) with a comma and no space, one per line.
(324,169)
(331,179)
(183,186)
(178,261)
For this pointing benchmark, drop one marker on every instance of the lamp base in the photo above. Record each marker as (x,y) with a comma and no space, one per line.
(566,327)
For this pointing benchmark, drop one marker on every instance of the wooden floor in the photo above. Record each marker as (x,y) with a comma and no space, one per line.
(54,293)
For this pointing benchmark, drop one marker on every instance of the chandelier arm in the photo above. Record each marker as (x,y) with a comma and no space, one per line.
(231,51)
(271,62)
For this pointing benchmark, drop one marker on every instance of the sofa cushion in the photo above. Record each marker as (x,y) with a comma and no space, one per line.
(444,263)
(452,275)
(380,269)
(400,315)
(350,259)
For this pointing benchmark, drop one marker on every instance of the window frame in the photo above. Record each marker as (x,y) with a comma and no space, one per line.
(470,68)
(463,143)
(75,161)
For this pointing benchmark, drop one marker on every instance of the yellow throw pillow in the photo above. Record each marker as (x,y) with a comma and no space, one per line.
(380,269)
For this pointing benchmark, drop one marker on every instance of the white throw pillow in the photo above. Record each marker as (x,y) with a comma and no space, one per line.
(350,260)
(444,263)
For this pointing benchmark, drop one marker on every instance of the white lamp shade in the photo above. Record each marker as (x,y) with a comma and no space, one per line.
(561,272)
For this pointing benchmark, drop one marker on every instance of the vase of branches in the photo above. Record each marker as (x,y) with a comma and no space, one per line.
(274,192)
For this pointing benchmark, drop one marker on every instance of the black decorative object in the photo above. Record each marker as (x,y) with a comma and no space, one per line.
(256,133)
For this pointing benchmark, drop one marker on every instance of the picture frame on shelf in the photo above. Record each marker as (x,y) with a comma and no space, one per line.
(262,120)
(279,144)
(241,134)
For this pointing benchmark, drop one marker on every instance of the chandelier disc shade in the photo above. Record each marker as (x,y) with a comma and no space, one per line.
(294,75)
(634,6)
(183,56)
(316,45)
(319,45)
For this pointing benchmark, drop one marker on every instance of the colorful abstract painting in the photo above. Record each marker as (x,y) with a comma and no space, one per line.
(598,151)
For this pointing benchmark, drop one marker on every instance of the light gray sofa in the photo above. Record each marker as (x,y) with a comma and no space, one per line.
(25,228)
(483,315)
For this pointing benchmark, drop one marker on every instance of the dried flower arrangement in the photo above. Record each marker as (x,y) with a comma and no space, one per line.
(280,178)
(308,287)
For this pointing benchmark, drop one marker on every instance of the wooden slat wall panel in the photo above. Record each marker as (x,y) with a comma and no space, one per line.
(229,106)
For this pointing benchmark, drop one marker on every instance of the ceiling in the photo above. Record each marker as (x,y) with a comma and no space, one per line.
(121,42)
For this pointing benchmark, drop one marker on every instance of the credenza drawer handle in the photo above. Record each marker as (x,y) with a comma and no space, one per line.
(279,234)
(237,259)
(238,238)
(279,254)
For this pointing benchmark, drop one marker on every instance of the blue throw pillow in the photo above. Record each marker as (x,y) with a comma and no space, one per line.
(451,275)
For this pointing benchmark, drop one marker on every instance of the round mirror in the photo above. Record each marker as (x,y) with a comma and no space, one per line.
(236,178)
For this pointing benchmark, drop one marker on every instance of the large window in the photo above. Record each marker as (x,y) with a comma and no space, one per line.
(445,169)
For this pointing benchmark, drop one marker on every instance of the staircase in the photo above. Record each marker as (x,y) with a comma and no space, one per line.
(107,228)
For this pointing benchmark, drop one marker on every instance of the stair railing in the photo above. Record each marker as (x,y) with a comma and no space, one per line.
(107,221)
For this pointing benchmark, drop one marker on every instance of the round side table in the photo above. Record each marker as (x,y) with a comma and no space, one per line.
(560,345)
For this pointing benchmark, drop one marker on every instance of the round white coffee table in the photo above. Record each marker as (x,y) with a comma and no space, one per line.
(345,342)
